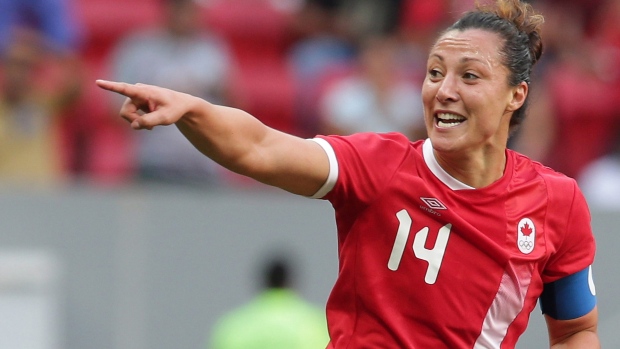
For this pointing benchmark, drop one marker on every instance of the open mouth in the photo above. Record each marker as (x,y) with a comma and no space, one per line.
(447,120)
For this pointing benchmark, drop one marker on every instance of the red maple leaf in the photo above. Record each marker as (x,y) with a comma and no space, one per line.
(526,230)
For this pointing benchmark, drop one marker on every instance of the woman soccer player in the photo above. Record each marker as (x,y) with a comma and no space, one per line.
(443,243)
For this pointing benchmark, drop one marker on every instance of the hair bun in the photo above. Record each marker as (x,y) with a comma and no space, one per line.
(527,21)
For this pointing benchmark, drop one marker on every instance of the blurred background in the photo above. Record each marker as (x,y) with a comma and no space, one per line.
(112,238)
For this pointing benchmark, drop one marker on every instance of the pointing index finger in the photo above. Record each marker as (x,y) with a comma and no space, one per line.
(119,87)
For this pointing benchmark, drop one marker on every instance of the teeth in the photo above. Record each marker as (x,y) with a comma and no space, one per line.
(448,116)
(449,120)
(445,125)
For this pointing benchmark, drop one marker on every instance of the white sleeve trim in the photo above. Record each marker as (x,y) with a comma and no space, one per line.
(332,177)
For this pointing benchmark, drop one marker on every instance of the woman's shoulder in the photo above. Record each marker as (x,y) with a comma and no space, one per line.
(371,139)
(551,177)
(380,149)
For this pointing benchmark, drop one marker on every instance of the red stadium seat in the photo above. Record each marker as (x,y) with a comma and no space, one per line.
(106,21)
(258,35)
(256,31)
(268,93)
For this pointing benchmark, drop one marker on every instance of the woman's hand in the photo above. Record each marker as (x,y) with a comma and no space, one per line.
(148,106)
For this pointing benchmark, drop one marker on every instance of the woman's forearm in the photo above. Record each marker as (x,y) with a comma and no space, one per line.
(227,135)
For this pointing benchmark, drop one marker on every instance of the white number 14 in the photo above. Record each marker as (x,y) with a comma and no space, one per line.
(434,256)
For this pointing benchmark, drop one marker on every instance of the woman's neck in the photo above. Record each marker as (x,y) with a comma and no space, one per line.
(477,170)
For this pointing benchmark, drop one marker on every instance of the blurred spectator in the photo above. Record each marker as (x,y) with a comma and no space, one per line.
(101,150)
(52,18)
(60,35)
(181,56)
(587,10)
(320,47)
(36,89)
(578,106)
(258,34)
(362,19)
(599,179)
(377,97)
(278,318)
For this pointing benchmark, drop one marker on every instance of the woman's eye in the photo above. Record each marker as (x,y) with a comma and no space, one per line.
(470,76)
(434,73)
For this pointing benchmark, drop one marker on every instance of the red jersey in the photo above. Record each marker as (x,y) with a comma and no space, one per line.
(427,262)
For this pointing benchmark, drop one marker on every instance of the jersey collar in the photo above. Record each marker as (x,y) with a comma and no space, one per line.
(440,173)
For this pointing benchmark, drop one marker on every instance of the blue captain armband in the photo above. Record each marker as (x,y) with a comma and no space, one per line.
(570,297)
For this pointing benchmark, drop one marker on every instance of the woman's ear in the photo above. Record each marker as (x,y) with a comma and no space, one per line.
(519,93)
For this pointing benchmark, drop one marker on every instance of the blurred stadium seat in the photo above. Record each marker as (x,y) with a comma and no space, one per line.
(259,36)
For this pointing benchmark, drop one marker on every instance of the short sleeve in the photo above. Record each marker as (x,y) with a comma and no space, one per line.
(576,250)
(366,162)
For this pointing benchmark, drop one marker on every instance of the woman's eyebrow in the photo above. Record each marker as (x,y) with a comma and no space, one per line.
(462,60)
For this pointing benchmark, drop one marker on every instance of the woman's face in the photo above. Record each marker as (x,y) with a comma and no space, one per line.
(467,99)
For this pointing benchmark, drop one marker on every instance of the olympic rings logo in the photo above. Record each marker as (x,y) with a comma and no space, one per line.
(526,244)
(526,235)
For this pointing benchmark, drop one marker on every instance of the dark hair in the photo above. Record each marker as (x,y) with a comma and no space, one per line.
(519,26)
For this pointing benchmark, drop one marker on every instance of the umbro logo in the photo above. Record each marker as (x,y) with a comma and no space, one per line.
(434,203)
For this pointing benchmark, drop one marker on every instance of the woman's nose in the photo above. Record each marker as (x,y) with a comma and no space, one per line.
(447,91)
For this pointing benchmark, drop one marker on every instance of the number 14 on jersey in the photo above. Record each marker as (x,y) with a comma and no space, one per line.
(433,256)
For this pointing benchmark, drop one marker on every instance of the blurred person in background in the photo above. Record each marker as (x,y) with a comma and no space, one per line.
(35,91)
(599,176)
(180,55)
(599,180)
(320,47)
(376,97)
(572,118)
(53,19)
(59,34)
(277,318)
(331,36)
(362,19)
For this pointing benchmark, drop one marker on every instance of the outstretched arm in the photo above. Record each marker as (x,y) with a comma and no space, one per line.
(231,137)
